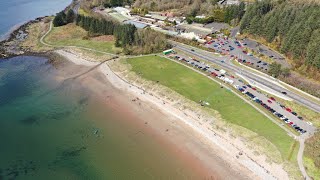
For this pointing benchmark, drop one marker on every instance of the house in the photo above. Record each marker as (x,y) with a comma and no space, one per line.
(168,14)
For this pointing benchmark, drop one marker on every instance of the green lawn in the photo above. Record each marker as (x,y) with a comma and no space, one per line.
(72,35)
(198,87)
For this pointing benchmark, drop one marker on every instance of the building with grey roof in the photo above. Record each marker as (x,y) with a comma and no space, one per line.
(137,24)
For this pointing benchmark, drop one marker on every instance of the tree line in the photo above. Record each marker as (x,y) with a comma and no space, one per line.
(63,18)
(133,41)
(115,3)
(293,27)
(124,33)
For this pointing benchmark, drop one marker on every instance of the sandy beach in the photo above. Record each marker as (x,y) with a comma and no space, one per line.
(212,154)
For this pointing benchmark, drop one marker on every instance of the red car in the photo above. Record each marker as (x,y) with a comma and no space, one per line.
(232,76)
(254,88)
(269,101)
(288,109)
(272,98)
(214,74)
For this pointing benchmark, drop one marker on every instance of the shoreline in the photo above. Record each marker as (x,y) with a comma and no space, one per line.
(236,156)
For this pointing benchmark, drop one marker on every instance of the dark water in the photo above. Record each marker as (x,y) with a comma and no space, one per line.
(54,130)
(13,12)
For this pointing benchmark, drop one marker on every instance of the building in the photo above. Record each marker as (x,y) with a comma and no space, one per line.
(137,24)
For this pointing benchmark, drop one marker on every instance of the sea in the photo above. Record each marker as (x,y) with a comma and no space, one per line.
(16,12)
(52,127)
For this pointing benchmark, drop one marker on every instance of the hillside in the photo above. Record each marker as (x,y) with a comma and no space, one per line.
(292,26)
(183,6)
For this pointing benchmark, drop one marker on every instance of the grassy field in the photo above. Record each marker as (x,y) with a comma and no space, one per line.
(196,87)
(72,35)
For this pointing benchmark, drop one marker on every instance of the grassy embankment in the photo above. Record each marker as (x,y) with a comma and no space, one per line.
(72,35)
(196,87)
(312,156)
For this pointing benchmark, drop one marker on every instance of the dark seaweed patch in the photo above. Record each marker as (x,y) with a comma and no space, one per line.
(73,152)
(30,120)
(18,168)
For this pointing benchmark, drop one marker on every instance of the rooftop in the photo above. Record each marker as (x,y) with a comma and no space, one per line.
(137,24)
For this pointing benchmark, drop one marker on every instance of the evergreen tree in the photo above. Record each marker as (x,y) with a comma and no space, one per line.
(70,16)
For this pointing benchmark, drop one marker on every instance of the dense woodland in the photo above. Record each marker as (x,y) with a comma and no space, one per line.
(292,26)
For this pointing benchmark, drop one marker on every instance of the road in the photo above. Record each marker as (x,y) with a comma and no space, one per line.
(205,55)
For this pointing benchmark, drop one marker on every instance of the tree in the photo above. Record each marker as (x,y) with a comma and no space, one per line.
(274,69)
(70,16)
(285,72)
(59,20)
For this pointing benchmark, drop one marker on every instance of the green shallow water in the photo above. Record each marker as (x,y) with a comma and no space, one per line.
(50,130)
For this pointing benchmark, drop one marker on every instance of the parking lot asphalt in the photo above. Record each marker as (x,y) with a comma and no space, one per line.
(235,48)
(224,62)
(266,51)
(286,115)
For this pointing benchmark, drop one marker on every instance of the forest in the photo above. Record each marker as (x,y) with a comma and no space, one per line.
(293,27)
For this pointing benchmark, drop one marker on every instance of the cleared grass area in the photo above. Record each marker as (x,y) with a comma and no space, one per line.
(72,35)
(196,87)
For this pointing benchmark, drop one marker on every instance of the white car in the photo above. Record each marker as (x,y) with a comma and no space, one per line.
(282,118)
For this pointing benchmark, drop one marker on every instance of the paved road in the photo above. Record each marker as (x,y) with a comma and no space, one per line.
(223,62)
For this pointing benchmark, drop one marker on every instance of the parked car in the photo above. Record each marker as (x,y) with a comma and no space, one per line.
(269,101)
(294,113)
